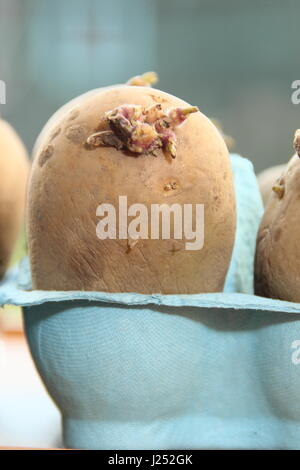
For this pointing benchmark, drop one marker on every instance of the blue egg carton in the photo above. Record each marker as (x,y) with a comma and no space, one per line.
(205,371)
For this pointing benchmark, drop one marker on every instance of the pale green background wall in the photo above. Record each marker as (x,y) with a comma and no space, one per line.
(235,59)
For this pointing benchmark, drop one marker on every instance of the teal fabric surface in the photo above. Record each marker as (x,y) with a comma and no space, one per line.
(249,212)
(154,376)
(206,371)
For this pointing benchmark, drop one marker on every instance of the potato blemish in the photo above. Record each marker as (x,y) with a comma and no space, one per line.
(55,134)
(74,114)
(76,133)
(46,153)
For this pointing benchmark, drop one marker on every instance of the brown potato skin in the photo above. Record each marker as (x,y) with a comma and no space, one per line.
(277,260)
(67,187)
(14,165)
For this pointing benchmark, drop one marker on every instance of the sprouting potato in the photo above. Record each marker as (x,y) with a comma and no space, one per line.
(277,261)
(145,144)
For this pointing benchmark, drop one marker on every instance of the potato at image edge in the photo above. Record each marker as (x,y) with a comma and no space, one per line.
(277,261)
(13,174)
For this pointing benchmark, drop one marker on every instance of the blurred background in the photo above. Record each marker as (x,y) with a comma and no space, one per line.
(235,59)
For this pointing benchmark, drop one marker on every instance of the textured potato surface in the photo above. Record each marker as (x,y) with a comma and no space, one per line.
(267,179)
(69,181)
(277,262)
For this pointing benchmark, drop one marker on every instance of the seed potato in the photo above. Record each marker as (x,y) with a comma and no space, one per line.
(73,174)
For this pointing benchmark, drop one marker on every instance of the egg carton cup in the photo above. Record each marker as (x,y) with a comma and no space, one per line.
(205,371)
